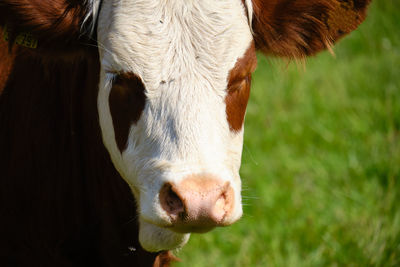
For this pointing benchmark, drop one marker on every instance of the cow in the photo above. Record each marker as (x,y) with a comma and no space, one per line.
(121,122)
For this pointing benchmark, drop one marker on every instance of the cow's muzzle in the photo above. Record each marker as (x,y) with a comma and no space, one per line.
(197,203)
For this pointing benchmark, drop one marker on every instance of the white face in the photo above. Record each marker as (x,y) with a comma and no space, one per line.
(179,153)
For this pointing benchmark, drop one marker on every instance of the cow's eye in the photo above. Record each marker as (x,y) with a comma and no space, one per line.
(239,84)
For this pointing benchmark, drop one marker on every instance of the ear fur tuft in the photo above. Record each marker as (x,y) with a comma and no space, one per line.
(300,28)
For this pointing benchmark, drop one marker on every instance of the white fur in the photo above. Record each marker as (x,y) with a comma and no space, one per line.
(183,50)
(249,8)
(89,22)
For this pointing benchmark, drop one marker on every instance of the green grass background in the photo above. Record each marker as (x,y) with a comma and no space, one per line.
(321,159)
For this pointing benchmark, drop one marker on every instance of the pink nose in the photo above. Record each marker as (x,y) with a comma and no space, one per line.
(198,203)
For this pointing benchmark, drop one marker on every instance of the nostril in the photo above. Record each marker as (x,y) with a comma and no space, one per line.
(223,204)
(171,202)
(219,211)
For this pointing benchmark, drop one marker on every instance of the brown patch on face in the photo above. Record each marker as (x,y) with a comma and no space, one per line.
(239,82)
(127,100)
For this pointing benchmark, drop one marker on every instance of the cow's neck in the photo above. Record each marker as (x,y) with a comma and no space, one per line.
(60,195)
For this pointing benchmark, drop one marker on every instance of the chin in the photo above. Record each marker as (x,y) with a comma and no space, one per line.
(154,238)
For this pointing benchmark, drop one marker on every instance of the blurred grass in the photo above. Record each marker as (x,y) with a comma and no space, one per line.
(321,159)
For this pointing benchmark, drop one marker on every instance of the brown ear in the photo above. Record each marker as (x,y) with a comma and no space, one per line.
(299,28)
(55,23)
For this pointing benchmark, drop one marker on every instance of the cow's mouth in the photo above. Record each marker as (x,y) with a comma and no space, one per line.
(186,229)
(154,238)
(192,204)
(183,228)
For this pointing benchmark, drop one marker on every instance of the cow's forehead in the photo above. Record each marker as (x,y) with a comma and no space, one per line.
(162,41)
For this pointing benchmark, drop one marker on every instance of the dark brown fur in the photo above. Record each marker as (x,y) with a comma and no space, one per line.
(6,61)
(239,82)
(299,28)
(62,203)
(165,258)
(127,100)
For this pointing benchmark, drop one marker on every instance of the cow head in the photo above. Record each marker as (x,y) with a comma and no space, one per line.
(174,84)
(175,80)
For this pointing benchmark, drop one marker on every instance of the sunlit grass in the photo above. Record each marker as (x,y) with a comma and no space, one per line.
(321,160)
